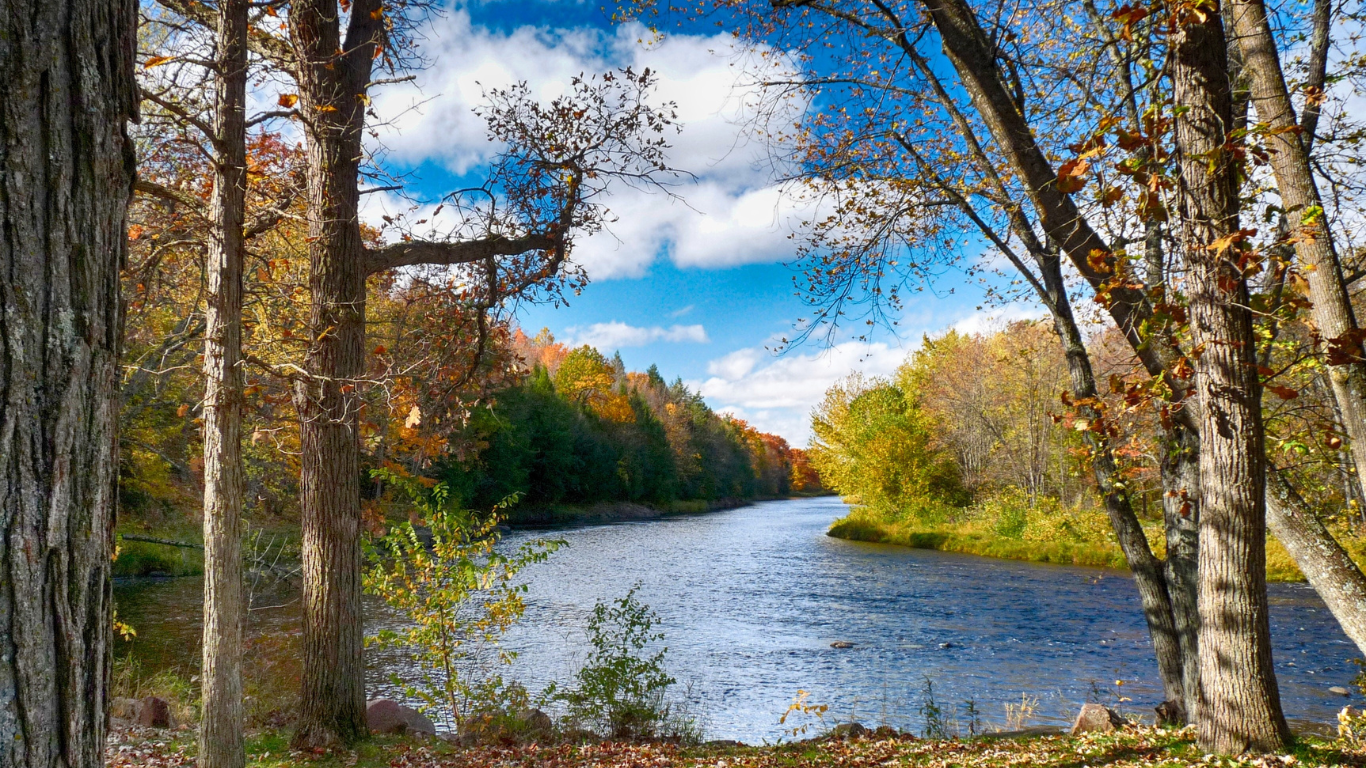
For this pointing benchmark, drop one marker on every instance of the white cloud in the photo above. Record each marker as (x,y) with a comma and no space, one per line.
(778,396)
(615,335)
(729,214)
(990,321)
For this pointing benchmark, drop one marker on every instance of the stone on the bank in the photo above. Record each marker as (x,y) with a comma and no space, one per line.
(123,708)
(536,721)
(1097,718)
(388,716)
(849,731)
(153,712)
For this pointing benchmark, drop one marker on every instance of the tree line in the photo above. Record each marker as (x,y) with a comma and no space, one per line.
(973,430)
(580,428)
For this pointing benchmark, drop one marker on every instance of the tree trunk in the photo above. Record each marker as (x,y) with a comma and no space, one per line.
(1330,570)
(1240,707)
(1289,158)
(964,43)
(220,731)
(1180,471)
(66,174)
(1147,569)
(332,80)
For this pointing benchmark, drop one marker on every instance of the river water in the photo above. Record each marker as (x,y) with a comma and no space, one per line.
(751,599)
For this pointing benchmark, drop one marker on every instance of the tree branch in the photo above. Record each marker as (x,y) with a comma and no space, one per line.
(154,189)
(463,252)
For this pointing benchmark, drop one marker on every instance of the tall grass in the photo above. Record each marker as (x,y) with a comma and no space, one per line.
(1005,526)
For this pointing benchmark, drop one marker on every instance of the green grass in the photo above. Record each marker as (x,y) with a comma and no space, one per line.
(1051,534)
(140,558)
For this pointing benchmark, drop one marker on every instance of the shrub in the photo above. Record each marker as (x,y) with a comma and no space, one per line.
(620,691)
(457,591)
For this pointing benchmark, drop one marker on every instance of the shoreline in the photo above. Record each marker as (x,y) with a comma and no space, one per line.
(615,512)
(946,538)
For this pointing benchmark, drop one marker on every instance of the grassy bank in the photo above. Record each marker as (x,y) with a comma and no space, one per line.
(1006,528)
(1130,748)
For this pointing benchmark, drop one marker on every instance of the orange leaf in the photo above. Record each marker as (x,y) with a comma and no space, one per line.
(287,100)
(1071,176)
(156,61)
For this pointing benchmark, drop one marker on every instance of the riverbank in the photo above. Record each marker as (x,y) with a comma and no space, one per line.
(615,511)
(1069,537)
(1130,748)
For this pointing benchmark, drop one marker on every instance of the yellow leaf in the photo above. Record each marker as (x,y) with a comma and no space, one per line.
(156,61)
(414,417)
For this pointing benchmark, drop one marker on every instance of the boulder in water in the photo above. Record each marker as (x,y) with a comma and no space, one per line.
(841,644)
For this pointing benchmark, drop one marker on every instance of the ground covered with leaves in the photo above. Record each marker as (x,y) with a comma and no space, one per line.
(1129,748)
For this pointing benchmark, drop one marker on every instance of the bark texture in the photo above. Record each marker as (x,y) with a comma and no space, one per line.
(1180,472)
(1240,707)
(220,731)
(66,173)
(333,75)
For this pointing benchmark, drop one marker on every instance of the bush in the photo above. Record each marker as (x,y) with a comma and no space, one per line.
(457,592)
(620,691)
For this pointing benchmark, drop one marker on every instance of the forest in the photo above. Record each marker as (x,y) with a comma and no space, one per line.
(202,327)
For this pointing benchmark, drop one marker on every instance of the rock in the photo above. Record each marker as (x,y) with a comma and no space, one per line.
(154,713)
(536,720)
(946,645)
(849,731)
(123,708)
(888,733)
(1097,718)
(388,716)
(718,743)
(1339,690)
(841,644)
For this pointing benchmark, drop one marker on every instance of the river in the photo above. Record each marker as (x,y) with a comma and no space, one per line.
(751,599)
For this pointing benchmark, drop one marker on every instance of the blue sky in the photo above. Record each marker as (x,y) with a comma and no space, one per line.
(698,286)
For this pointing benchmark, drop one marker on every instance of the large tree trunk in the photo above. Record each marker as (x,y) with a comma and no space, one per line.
(66,173)
(333,77)
(220,731)
(1240,707)
(1330,570)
